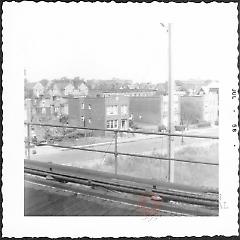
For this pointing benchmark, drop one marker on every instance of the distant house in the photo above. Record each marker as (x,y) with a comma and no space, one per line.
(83,89)
(59,89)
(54,90)
(203,90)
(69,89)
(180,91)
(38,90)
(211,87)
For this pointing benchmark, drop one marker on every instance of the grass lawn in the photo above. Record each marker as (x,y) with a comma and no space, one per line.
(185,173)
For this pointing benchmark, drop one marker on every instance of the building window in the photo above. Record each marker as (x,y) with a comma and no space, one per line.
(115,123)
(124,123)
(82,106)
(89,120)
(43,110)
(112,124)
(112,110)
(89,106)
(124,109)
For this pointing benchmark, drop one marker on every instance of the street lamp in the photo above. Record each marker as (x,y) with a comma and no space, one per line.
(170,109)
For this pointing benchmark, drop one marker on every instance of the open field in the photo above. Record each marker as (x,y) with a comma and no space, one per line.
(191,149)
(185,173)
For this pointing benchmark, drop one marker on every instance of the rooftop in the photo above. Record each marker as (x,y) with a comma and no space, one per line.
(56,201)
(129,90)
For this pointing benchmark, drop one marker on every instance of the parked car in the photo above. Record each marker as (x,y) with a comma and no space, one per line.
(162,128)
(180,127)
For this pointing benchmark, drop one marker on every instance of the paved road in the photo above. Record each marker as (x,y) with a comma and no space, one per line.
(86,159)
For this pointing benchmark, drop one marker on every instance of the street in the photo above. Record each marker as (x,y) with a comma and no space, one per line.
(156,144)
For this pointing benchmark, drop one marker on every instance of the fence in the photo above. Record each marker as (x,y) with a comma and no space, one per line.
(116,153)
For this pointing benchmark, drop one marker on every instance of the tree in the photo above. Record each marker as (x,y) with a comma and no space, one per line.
(190,111)
(44,82)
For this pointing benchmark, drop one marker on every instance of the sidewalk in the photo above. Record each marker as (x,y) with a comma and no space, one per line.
(139,136)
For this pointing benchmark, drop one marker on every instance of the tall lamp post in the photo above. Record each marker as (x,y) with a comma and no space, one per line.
(170,108)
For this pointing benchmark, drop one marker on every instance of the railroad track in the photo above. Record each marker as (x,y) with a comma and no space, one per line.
(181,199)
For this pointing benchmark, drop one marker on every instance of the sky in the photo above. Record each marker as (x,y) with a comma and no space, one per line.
(126,41)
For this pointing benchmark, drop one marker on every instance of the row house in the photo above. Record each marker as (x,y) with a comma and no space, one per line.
(38,90)
(66,89)
(60,89)
(99,112)
(46,107)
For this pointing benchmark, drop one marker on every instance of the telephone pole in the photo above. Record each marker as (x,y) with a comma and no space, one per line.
(170,109)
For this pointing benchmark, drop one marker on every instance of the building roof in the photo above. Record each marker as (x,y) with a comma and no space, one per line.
(38,84)
(126,90)
(77,83)
(82,203)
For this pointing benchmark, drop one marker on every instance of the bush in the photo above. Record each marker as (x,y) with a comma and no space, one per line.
(77,133)
(63,119)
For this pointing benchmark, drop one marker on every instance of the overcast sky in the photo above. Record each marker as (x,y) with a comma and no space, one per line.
(126,41)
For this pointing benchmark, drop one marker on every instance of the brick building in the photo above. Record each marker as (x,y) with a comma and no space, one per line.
(99,112)
(153,110)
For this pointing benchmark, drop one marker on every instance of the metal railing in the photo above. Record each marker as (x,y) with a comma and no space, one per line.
(116,153)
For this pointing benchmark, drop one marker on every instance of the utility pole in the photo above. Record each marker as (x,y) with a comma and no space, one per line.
(170,110)
(29,116)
